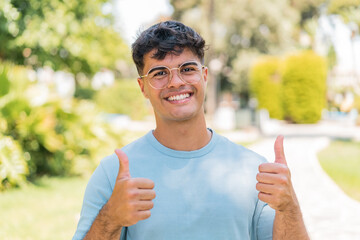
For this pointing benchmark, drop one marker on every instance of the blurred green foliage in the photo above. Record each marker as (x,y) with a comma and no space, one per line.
(13,167)
(292,89)
(348,9)
(265,84)
(57,137)
(304,87)
(72,35)
(124,97)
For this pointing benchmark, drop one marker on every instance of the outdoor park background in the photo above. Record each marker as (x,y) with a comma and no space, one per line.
(69,97)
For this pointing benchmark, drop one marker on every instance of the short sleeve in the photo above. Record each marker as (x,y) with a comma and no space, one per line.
(263,221)
(97,193)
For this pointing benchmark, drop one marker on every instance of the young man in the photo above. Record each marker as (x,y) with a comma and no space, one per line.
(182,180)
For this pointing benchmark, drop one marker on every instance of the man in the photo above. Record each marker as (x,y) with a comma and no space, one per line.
(183,180)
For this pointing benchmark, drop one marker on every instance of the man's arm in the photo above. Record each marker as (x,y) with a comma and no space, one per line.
(130,202)
(289,225)
(103,227)
(275,188)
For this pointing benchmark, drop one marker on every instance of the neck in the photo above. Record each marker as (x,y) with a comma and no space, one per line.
(183,136)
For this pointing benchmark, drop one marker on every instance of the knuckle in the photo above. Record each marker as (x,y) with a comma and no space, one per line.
(261,167)
(133,194)
(284,169)
(131,183)
(261,197)
(131,206)
(283,180)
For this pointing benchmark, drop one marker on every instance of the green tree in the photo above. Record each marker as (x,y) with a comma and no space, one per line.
(72,35)
(349,10)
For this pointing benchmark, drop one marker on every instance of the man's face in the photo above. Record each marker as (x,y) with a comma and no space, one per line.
(178,101)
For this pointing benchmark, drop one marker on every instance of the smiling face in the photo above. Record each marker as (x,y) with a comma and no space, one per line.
(178,101)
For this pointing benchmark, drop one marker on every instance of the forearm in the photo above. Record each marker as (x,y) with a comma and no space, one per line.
(289,225)
(103,227)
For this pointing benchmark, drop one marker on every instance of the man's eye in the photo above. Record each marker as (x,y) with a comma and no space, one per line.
(160,73)
(188,69)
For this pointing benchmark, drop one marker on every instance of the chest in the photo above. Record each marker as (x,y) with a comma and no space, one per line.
(198,198)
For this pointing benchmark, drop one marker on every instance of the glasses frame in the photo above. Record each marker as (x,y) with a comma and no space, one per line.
(171,74)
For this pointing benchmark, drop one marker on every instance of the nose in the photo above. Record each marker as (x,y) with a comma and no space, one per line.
(175,79)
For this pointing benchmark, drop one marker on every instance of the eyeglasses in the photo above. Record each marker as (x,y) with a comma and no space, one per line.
(189,72)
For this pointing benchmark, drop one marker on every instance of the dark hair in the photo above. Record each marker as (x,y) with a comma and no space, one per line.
(167,37)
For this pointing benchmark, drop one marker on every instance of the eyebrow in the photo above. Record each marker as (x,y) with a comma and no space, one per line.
(156,68)
(188,63)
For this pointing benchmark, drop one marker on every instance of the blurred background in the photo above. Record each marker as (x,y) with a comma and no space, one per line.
(69,97)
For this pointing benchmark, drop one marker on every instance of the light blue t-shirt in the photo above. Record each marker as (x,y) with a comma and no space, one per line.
(205,194)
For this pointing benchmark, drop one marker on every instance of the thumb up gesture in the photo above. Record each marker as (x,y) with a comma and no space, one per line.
(274,181)
(131,199)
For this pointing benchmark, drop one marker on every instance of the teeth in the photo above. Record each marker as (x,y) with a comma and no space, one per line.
(179,97)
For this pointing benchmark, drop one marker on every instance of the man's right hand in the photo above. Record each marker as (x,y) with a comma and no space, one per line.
(130,202)
(131,199)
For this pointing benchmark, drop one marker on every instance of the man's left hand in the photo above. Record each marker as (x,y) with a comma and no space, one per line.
(274,181)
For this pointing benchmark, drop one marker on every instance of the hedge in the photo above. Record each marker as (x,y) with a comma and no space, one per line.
(265,85)
(304,87)
(293,89)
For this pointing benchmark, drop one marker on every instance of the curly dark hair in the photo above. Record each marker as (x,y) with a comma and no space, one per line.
(167,37)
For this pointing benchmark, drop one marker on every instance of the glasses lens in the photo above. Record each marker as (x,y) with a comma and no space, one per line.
(159,77)
(190,72)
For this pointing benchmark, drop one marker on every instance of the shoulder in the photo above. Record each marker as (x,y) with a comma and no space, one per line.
(233,150)
(110,164)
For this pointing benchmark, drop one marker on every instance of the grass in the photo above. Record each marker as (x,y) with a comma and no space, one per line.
(341,161)
(48,209)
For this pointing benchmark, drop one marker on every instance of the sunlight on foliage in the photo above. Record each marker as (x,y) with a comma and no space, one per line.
(57,136)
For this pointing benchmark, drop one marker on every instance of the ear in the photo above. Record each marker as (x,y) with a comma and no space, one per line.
(205,74)
(142,87)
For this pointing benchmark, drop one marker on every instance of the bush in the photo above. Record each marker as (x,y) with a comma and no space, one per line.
(124,97)
(304,87)
(56,136)
(294,89)
(59,138)
(265,85)
(13,167)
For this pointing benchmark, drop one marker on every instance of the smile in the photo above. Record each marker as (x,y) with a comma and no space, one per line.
(179,97)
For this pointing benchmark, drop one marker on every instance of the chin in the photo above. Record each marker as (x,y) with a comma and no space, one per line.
(185,116)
